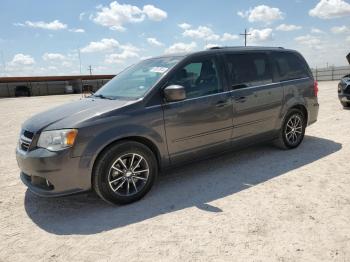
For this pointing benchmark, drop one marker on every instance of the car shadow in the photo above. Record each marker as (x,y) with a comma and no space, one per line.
(192,185)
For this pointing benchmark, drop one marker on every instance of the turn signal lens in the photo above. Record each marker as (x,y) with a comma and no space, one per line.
(70,137)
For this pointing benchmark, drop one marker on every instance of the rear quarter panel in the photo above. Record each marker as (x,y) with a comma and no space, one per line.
(298,92)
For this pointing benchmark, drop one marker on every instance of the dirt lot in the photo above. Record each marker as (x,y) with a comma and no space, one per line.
(259,204)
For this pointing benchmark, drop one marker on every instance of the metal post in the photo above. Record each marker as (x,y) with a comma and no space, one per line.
(316,73)
(332,73)
(8,89)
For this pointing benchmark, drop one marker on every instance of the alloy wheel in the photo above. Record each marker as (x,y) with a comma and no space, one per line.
(128,175)
(294,129)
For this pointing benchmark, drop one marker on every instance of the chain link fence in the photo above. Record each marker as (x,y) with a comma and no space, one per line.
(330,73)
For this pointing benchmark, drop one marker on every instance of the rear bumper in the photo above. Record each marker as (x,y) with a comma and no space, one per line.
(52,174)
(313,112)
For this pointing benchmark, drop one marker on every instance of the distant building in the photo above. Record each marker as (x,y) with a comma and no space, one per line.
(51,85)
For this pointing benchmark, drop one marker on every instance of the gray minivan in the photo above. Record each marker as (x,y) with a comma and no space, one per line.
(167,111)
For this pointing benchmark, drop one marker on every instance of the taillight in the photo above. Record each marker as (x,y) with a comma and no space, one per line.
(315,88)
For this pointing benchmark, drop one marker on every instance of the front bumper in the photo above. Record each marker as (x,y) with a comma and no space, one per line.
(344,97)
(52,174)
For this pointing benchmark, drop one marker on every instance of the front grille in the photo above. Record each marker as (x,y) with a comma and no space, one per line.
(25,140)
(28,134)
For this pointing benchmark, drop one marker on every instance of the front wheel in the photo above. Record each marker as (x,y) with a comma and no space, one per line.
(345,104)
(292,131)
(124,172)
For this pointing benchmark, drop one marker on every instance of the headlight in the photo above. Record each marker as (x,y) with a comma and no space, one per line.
(56,140)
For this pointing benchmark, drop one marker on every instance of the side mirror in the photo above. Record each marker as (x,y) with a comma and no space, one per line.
(174,93)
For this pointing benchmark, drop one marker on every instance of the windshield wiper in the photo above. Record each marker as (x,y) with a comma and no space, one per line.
(103,97)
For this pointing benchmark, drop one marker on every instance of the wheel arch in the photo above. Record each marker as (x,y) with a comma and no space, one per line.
(300,105)
(302,108)
(142,140)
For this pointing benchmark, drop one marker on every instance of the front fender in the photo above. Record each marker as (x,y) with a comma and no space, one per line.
(147,125)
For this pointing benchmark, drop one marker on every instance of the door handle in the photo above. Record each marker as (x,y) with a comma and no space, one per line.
(241,99)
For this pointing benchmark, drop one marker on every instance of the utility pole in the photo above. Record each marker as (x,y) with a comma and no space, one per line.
(90,69)
(245,36)
(3,62)
(79,60)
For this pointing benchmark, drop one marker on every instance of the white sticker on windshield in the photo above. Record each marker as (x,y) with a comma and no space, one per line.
(158,69)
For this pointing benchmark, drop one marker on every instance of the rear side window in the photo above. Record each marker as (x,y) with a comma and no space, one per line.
(290,66)
(250,69)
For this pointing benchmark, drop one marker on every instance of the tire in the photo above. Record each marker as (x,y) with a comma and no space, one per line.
(292,131)
(120,173)
(345,104)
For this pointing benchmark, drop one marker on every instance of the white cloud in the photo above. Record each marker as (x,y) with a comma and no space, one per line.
(328,9)
(340,29)
(116,15)
(228,37)
(260,35)
(129,47)
(54,25)
(262,13)
(22,60)
(153,41)
(154,13)
(105,45)
(53,57)
(206,33)
(348,39)
(77,30)
(126,51)
(208,46)
(322,49)
(184,26)
(286,28)
(118,58)
(181,48)
(309,41)
(81,16)
(202,32)
(316,31)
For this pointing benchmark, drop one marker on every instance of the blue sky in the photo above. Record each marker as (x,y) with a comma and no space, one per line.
(44,37)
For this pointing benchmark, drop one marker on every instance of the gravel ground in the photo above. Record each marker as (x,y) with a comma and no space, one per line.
(258,204)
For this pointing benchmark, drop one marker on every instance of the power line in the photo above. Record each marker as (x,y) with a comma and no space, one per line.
(245,36)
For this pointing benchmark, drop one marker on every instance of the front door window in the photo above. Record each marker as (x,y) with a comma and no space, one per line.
(199,78)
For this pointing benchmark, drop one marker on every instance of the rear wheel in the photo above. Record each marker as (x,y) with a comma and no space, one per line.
(125,172)
(292,131)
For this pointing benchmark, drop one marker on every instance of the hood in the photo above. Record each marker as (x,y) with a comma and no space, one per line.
(71,114)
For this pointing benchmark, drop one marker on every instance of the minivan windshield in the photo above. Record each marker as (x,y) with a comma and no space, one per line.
(135,81)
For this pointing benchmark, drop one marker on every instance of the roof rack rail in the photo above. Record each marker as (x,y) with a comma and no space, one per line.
(214,47)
